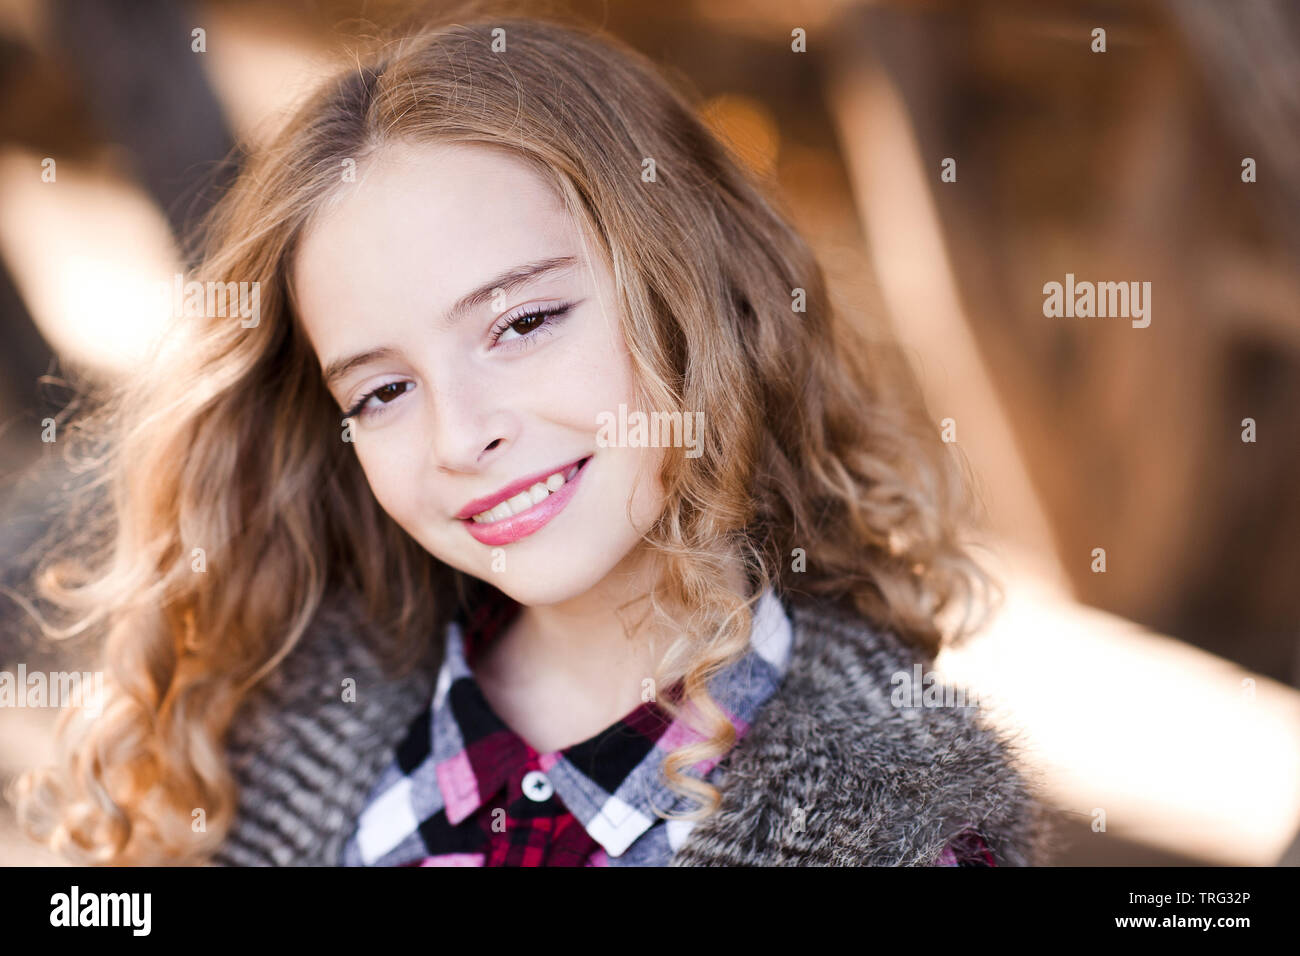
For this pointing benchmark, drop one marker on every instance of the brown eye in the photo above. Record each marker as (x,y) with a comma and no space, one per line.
(386,393)
(527,323)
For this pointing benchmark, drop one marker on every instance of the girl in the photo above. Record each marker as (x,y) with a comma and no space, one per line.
(545,513)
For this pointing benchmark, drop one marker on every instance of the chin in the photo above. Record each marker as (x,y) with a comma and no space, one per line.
(541,590)
(555,574)
(531,596)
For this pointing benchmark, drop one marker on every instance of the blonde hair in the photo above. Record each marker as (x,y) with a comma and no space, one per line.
(818,439)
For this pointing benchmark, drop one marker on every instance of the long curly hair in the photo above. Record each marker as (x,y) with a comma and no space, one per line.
(823,474)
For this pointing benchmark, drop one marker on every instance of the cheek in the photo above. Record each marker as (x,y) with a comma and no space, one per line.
(594,377)
(633,495)
(648,499)
(590,373)
(391,473)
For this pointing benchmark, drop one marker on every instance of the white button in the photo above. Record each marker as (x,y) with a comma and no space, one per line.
(536,787)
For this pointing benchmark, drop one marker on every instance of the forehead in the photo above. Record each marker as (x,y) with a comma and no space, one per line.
(421,225)
(461,180)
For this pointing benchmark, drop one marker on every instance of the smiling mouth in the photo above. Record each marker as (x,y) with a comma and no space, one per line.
(530,498)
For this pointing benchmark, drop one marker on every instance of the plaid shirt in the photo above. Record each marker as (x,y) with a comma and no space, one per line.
(465,790)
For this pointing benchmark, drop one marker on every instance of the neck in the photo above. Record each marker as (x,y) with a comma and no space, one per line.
(563,672)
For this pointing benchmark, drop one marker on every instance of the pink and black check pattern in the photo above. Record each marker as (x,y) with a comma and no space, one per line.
(465,790)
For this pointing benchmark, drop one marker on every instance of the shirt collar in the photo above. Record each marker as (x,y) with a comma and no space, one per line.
(615,819)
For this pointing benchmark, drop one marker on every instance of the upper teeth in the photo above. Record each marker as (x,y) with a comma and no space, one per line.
(526,499)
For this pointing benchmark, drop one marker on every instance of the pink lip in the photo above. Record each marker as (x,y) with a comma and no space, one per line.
(511,529)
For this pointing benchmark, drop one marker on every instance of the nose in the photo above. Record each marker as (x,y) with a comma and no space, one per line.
(471,426)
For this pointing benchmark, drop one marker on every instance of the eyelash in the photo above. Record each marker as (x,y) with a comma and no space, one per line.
(550,314)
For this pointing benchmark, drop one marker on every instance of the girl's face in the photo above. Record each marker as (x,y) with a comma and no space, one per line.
(473,345)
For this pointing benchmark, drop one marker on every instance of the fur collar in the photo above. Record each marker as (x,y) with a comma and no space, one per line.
(831,772)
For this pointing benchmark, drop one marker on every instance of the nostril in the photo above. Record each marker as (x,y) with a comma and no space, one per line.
(495,442)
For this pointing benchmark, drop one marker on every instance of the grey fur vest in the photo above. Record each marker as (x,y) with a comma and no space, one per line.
(831,772)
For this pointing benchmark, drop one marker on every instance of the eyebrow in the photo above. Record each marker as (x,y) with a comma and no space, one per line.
(507,281)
